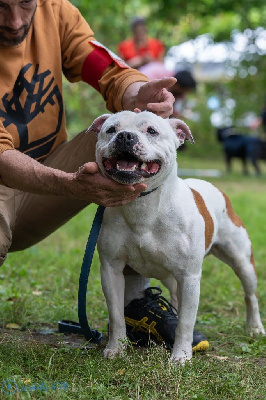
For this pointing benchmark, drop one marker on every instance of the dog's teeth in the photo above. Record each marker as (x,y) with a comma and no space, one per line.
(143,166)
(126,169)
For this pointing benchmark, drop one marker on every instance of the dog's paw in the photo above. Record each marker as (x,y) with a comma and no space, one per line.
(113,352)
(255,330)
(181,357)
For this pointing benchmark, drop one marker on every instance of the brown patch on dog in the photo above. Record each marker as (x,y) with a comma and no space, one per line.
(253,263)
(238,222)
(209,225)
(231,212)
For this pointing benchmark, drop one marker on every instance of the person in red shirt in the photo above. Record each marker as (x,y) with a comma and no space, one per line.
(140,49)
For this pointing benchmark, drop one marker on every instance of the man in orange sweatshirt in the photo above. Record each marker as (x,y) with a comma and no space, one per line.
(45,179)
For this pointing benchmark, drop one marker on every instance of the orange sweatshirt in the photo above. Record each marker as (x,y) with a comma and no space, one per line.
(32,118)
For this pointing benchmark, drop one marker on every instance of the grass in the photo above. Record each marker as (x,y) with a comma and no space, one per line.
(39,286)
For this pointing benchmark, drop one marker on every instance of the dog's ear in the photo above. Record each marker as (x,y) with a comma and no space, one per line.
(97,124)
(182,130)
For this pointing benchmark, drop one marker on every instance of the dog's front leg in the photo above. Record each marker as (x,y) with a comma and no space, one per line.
(113,284)
(188,299)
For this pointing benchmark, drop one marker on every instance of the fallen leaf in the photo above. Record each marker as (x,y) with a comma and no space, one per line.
(25,380)
(121,371)
(221,357)
(11,325)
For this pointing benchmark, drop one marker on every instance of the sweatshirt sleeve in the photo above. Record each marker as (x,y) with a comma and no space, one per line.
(6,140)
(6,143)
(83,58)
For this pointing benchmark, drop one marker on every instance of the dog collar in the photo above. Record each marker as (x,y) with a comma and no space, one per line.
(145,193)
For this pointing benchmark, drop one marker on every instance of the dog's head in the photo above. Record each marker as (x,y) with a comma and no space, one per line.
(136,147)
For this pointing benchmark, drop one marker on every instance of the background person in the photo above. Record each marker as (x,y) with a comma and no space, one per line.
(140,49)
(185,84)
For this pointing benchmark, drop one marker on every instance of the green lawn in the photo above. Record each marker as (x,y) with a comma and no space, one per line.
(39,286)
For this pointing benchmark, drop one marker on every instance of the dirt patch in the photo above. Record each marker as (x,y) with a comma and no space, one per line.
(49,336)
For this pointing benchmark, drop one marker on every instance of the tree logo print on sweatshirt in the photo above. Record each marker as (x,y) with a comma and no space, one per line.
(30,97)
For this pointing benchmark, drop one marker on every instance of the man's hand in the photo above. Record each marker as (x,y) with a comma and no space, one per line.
(90,184)
(151,96)
(21,172)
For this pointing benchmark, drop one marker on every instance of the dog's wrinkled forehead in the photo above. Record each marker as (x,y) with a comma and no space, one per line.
(129,121)
(145,124)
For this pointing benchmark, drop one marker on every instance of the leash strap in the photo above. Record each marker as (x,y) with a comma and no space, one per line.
(90,334)
(83,326)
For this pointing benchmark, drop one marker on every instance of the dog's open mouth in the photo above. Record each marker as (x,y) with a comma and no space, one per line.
(126,168)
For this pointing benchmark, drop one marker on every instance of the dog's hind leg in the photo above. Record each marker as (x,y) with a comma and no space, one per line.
(171,285)
(244,166)
(253,160)
(240,258)
(228,163)
(252,151)
(233,246)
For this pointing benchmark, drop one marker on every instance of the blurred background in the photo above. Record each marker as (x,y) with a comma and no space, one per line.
(221,42)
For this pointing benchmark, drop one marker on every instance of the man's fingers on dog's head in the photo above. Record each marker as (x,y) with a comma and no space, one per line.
(161,109)
(162,83)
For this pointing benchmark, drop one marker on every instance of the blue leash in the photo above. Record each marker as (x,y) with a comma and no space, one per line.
(83,326)
(90,334)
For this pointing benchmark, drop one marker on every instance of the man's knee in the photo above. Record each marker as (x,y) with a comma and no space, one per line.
(6,218)
(2,260)
(5,243)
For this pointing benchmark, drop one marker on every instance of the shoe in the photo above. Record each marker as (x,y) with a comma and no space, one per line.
(153,319)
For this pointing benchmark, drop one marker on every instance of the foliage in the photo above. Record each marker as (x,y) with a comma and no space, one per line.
(172,21)
(175,23)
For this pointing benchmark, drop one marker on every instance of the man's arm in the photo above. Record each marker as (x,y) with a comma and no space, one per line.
(23,173)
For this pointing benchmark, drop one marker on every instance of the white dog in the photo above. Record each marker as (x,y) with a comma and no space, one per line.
(167,232)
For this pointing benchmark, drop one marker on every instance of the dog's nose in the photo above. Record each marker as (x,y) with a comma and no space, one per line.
(125,140)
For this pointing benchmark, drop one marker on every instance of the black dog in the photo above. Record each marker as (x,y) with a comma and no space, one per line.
(245,147)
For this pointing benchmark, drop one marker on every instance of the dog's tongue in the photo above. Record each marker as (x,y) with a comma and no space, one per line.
(126,165)
(152,167)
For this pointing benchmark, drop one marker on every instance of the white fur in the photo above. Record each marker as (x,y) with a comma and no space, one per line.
(161,235)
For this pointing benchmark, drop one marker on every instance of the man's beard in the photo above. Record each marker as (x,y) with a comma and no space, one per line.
(11,42)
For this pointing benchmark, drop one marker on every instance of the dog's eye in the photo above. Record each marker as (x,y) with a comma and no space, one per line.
(152,131)
(111,130)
